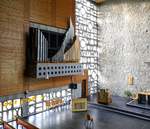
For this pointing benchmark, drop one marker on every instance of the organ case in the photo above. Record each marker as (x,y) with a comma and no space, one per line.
(53,52)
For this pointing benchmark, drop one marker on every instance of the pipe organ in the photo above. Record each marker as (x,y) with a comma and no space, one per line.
(53,52)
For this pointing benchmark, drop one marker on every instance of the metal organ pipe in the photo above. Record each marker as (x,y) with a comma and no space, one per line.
(44,49)
(41,47)
(38,46)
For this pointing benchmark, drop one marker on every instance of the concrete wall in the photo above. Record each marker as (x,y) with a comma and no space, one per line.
(124,44)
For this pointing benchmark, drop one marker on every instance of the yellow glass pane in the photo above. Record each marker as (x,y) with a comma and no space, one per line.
(0,106)
(16,103)
(39,98)
(9,104)
(5,106)
(31,100)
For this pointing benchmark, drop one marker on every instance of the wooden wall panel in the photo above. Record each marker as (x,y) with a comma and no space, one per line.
(12,44)
(63,14)
(32,84)
(41,11)
(15,16)
(52,12)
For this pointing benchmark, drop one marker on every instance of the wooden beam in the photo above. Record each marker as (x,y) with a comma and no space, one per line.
(32,84)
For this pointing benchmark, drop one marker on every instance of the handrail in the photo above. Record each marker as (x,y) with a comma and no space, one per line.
(6,125)
(25,124)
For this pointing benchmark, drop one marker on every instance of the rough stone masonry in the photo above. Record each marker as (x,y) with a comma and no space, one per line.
(124,45)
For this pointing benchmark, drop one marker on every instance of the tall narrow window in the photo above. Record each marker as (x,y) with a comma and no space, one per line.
(86,29)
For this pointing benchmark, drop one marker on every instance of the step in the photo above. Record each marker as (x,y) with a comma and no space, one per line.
(120,111)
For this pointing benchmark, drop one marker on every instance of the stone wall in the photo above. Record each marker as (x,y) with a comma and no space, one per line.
(124,44)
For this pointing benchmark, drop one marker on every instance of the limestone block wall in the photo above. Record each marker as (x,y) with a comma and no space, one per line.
(124,45)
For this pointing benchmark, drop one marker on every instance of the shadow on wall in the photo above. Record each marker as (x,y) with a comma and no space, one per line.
(122,1)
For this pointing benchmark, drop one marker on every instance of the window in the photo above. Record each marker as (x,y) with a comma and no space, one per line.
(39,98)
(36,103)
(86,29)
(7,105)
(31,100)
(58,94)
(31,109)
(46,96)
(39,107)
(16,103)
(63,93)
(0,106)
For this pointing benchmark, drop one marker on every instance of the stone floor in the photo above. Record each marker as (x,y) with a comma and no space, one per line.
(134,103)
(65,119)
(121,103)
